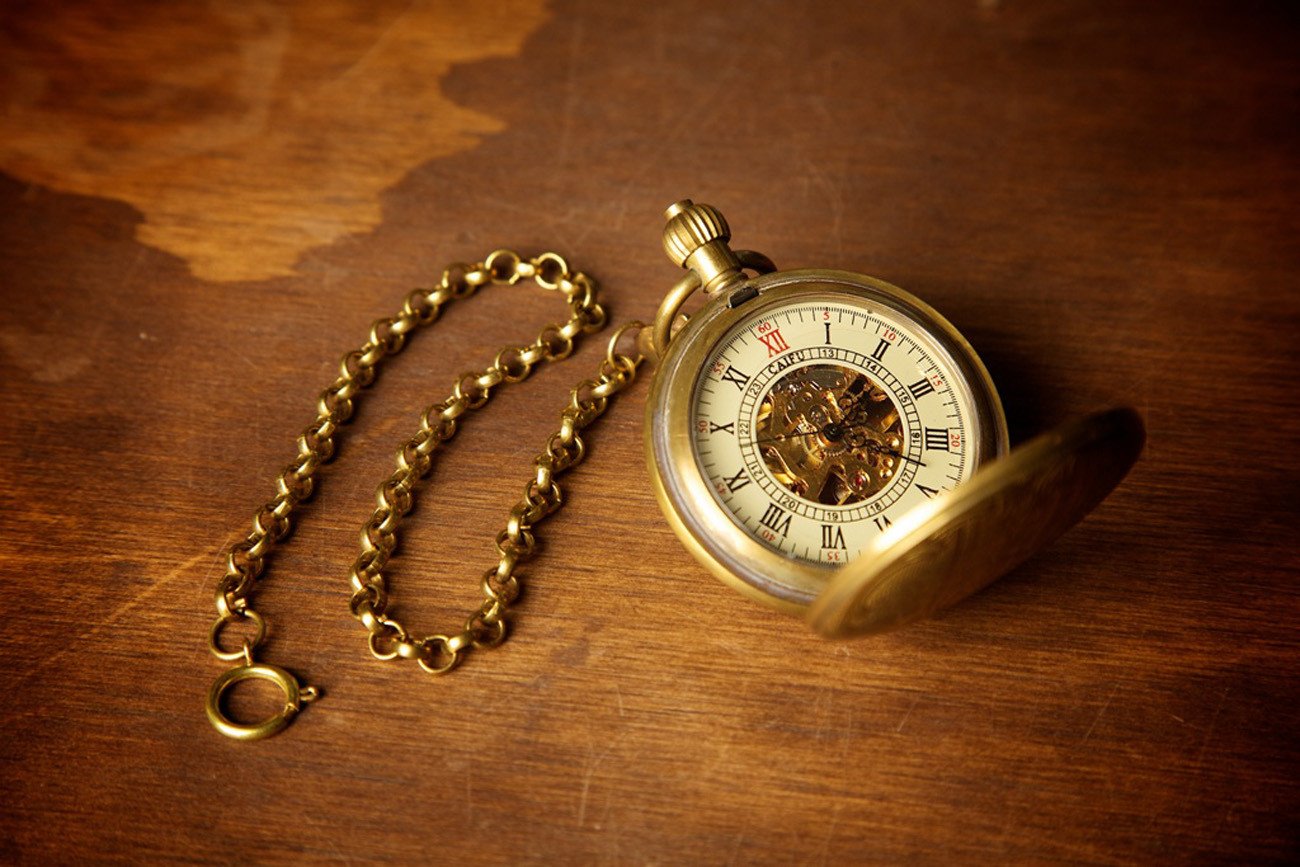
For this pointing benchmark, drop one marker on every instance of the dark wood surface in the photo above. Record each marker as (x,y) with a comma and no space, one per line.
(202,208)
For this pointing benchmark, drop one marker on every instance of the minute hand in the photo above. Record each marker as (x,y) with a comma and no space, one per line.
(835,429)
(874,446)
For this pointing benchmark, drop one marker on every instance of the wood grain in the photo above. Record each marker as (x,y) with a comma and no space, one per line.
(246,133)
(1101,196)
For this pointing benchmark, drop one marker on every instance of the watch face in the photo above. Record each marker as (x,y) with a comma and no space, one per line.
(795,419)
(820,417)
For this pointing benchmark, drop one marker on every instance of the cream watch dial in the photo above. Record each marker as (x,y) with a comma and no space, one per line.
(818,422)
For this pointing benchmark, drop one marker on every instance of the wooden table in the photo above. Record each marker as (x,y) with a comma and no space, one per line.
(203,208)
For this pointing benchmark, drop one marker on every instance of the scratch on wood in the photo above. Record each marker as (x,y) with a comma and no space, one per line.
(830,834)
(735,849)
(593,762)
(907,715)
(1100,713)
(570,92)
(78,643)
(1214,722)
(586,788)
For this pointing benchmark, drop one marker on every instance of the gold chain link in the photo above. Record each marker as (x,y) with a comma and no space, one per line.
(486,626)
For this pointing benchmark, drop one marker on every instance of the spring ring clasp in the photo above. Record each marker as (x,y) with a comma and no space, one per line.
(295,696)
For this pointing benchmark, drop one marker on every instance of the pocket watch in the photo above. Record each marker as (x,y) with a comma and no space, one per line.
(830,445)
(822,441)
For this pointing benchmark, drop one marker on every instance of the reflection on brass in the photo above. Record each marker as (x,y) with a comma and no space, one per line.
(946,549)
(825,432)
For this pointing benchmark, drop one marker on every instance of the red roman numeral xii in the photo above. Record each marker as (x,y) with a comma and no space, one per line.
(774,342)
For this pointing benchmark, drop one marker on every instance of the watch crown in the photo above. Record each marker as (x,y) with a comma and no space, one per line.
(690,227)
(696,239)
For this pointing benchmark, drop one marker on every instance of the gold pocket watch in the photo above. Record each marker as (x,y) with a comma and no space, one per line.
(828,444)
(822,441)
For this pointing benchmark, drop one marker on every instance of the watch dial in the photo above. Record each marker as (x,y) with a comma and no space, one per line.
(818,423)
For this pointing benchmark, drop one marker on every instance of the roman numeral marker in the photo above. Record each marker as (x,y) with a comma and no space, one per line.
(920,388)
(729,427)
(930,493)
(936,438)
(879,352)
(774,342)
(882,522)
(773,519)
(738,481)
(832,536)
(735,377)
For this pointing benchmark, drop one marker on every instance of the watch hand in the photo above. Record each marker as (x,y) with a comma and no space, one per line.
(877,447)
(836,427)
(869,445)
(828,428)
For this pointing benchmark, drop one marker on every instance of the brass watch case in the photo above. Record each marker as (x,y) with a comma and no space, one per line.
(685,495)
